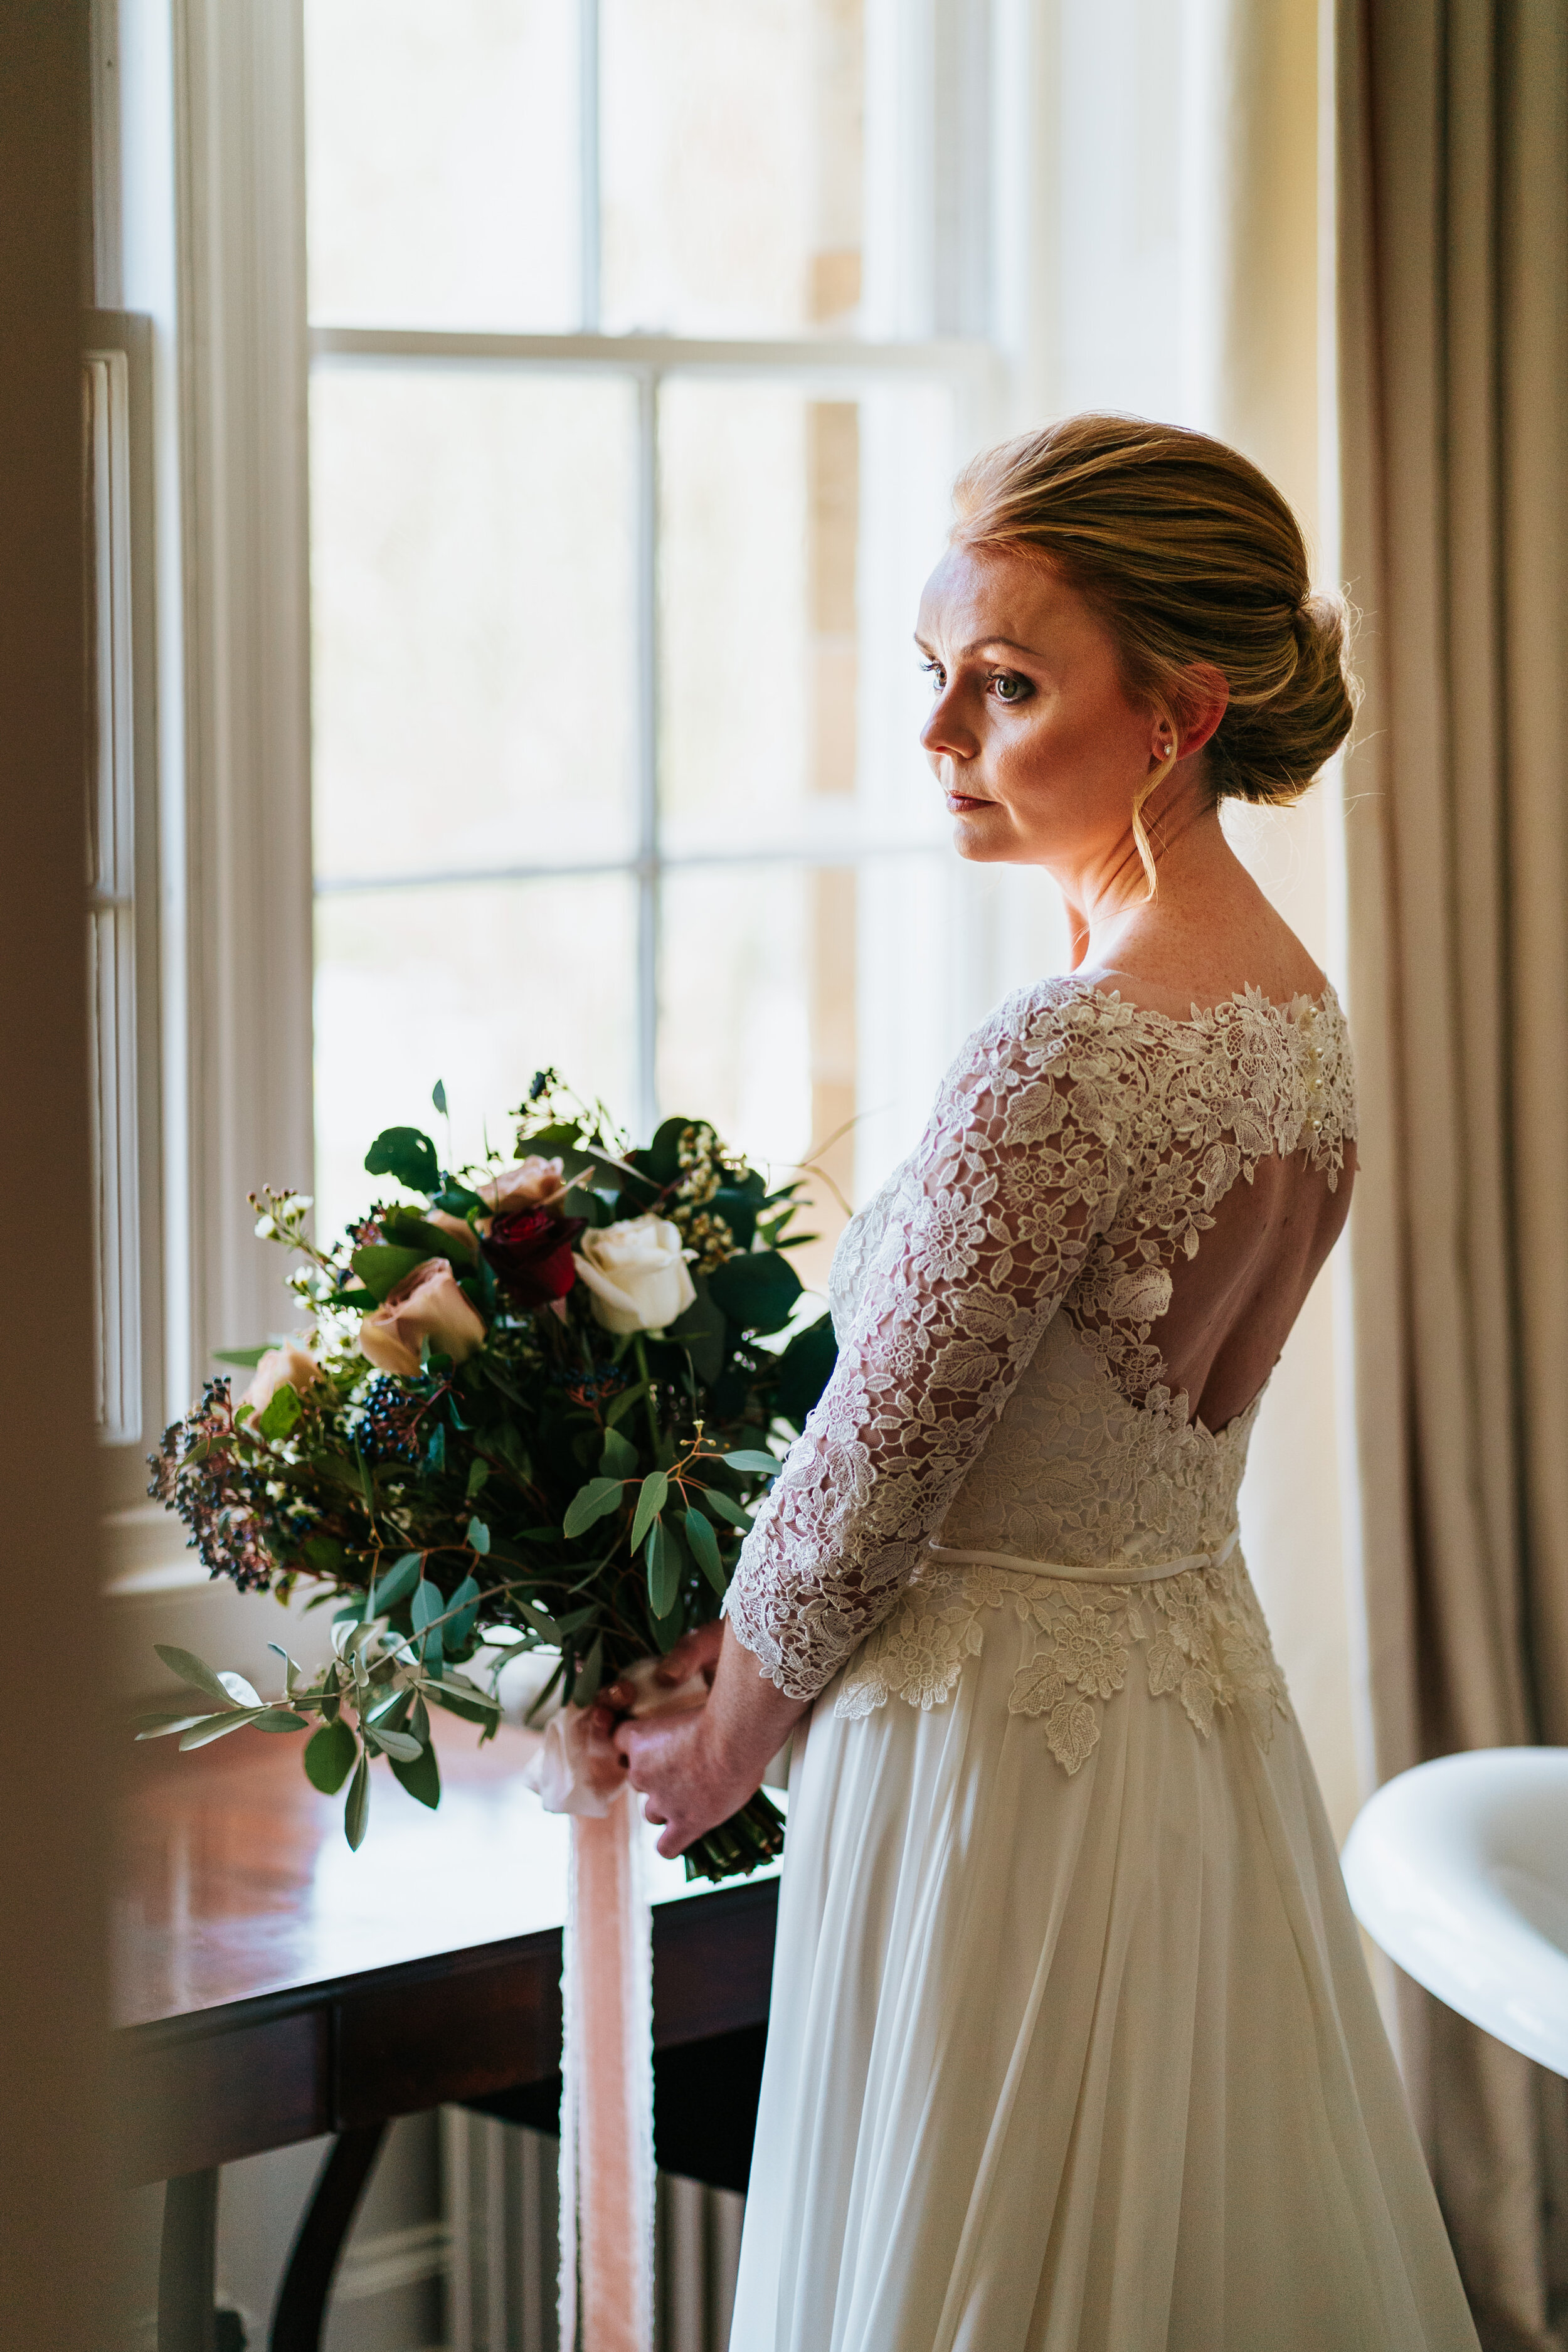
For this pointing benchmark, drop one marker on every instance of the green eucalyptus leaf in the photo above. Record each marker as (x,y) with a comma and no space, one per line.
(619,1457)
(593,1501)
(620,1406)
(191,1669)
(438,1098)
(465,1603)
(751,1459)
(540,1619)
(456,1199)
(739,1211)
(479,1537)
(756,1290)
(661,1159)
(408,1155)
(329,1756)
(245,1358)
(651,1502)
(665,1559)
(421,1775)
(157,1726)
(323,1553)
(217,1726)
(702,1332)
(356,1811)
(381,1266)
(704,1548)
(281,1413)
(399,1745)
(427,1605)
(406,1229)
(397,1583)
(727,1508)
(279,1718)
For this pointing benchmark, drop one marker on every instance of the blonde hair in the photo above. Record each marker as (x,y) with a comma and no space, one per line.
(1187,553)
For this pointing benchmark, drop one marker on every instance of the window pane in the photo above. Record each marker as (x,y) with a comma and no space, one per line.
(443,161)
(477,985)
(732,163)
(737,1038)
(474,618)
(795,533)
(809,1011)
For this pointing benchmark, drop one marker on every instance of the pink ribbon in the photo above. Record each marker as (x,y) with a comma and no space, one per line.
(606,2062)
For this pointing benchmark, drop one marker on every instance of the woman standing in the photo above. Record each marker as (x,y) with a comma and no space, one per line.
(1073,2048)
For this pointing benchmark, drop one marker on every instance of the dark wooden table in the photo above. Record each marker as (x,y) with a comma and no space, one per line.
(273,1987)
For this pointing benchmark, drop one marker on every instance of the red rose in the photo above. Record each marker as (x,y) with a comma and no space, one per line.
(530,1252)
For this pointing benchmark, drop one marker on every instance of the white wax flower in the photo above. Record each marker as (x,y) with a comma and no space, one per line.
(637,1272)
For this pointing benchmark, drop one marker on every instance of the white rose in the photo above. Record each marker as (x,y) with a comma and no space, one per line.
(277,1365)
(636,1273)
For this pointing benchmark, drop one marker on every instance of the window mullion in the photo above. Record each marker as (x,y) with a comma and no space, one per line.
(648,878)
(588,204)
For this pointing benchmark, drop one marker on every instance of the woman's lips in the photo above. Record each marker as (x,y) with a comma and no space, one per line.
(959,802)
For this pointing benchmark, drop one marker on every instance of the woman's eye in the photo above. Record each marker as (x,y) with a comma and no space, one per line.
(936,674)
(1008,687)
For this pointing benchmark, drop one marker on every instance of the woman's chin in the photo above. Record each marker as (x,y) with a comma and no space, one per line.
(975,839)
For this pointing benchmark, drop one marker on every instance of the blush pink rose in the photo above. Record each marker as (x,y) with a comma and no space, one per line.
(295,1365)
(533,1183)
(425,1305)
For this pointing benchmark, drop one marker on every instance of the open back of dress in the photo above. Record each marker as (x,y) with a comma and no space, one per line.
(1072,2047)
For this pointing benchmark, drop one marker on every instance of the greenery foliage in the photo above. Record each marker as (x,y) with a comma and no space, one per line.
(540,1481)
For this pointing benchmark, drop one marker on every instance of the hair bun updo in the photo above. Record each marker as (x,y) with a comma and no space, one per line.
(1189,555)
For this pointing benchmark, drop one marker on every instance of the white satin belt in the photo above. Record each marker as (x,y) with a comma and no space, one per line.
(1107,1571)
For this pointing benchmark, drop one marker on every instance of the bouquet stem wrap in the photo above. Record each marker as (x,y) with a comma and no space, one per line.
(606,2097)
(607,2065)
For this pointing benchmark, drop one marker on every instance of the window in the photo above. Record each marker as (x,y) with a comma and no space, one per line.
(123,996)
(646,336)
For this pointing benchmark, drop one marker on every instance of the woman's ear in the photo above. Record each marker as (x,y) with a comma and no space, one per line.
(1205,696)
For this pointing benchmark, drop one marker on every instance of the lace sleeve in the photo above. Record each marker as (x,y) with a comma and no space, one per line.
(1020,1168)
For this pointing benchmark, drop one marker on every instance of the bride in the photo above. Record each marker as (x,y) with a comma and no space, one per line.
(1073,2048)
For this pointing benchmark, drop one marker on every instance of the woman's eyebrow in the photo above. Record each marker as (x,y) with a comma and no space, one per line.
(980,644)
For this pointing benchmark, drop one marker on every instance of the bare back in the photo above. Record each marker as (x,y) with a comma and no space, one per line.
(1206,939)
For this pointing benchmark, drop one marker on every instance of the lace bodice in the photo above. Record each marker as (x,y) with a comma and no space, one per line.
(999,1404)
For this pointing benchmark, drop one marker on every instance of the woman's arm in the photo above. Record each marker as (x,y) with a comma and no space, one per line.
(697,1767)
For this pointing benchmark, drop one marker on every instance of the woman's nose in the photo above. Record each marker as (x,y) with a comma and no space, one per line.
(944,734)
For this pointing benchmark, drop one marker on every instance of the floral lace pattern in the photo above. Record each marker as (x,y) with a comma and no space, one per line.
(1076,1151)
(1201,1630)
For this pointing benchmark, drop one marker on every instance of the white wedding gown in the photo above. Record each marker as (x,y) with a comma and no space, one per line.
(1073,2048)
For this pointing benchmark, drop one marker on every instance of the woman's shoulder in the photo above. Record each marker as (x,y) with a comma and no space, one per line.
(1127,1058)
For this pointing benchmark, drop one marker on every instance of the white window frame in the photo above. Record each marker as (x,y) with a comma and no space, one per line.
(124,889)
(828,371)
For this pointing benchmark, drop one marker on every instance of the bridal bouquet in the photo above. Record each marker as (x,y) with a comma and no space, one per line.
(532,1411)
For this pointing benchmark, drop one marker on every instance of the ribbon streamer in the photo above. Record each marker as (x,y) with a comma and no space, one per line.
(606,2059)
(606,2096)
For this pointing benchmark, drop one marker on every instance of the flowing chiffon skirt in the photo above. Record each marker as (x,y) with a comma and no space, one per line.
(1076,2064)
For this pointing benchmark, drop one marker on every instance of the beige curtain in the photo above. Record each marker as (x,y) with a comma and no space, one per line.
(1452,144)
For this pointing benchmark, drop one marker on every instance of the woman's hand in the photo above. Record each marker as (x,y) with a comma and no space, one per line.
(696,1767)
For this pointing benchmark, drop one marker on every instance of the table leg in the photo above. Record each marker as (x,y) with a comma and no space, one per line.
(187,2321)
(307,2282)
